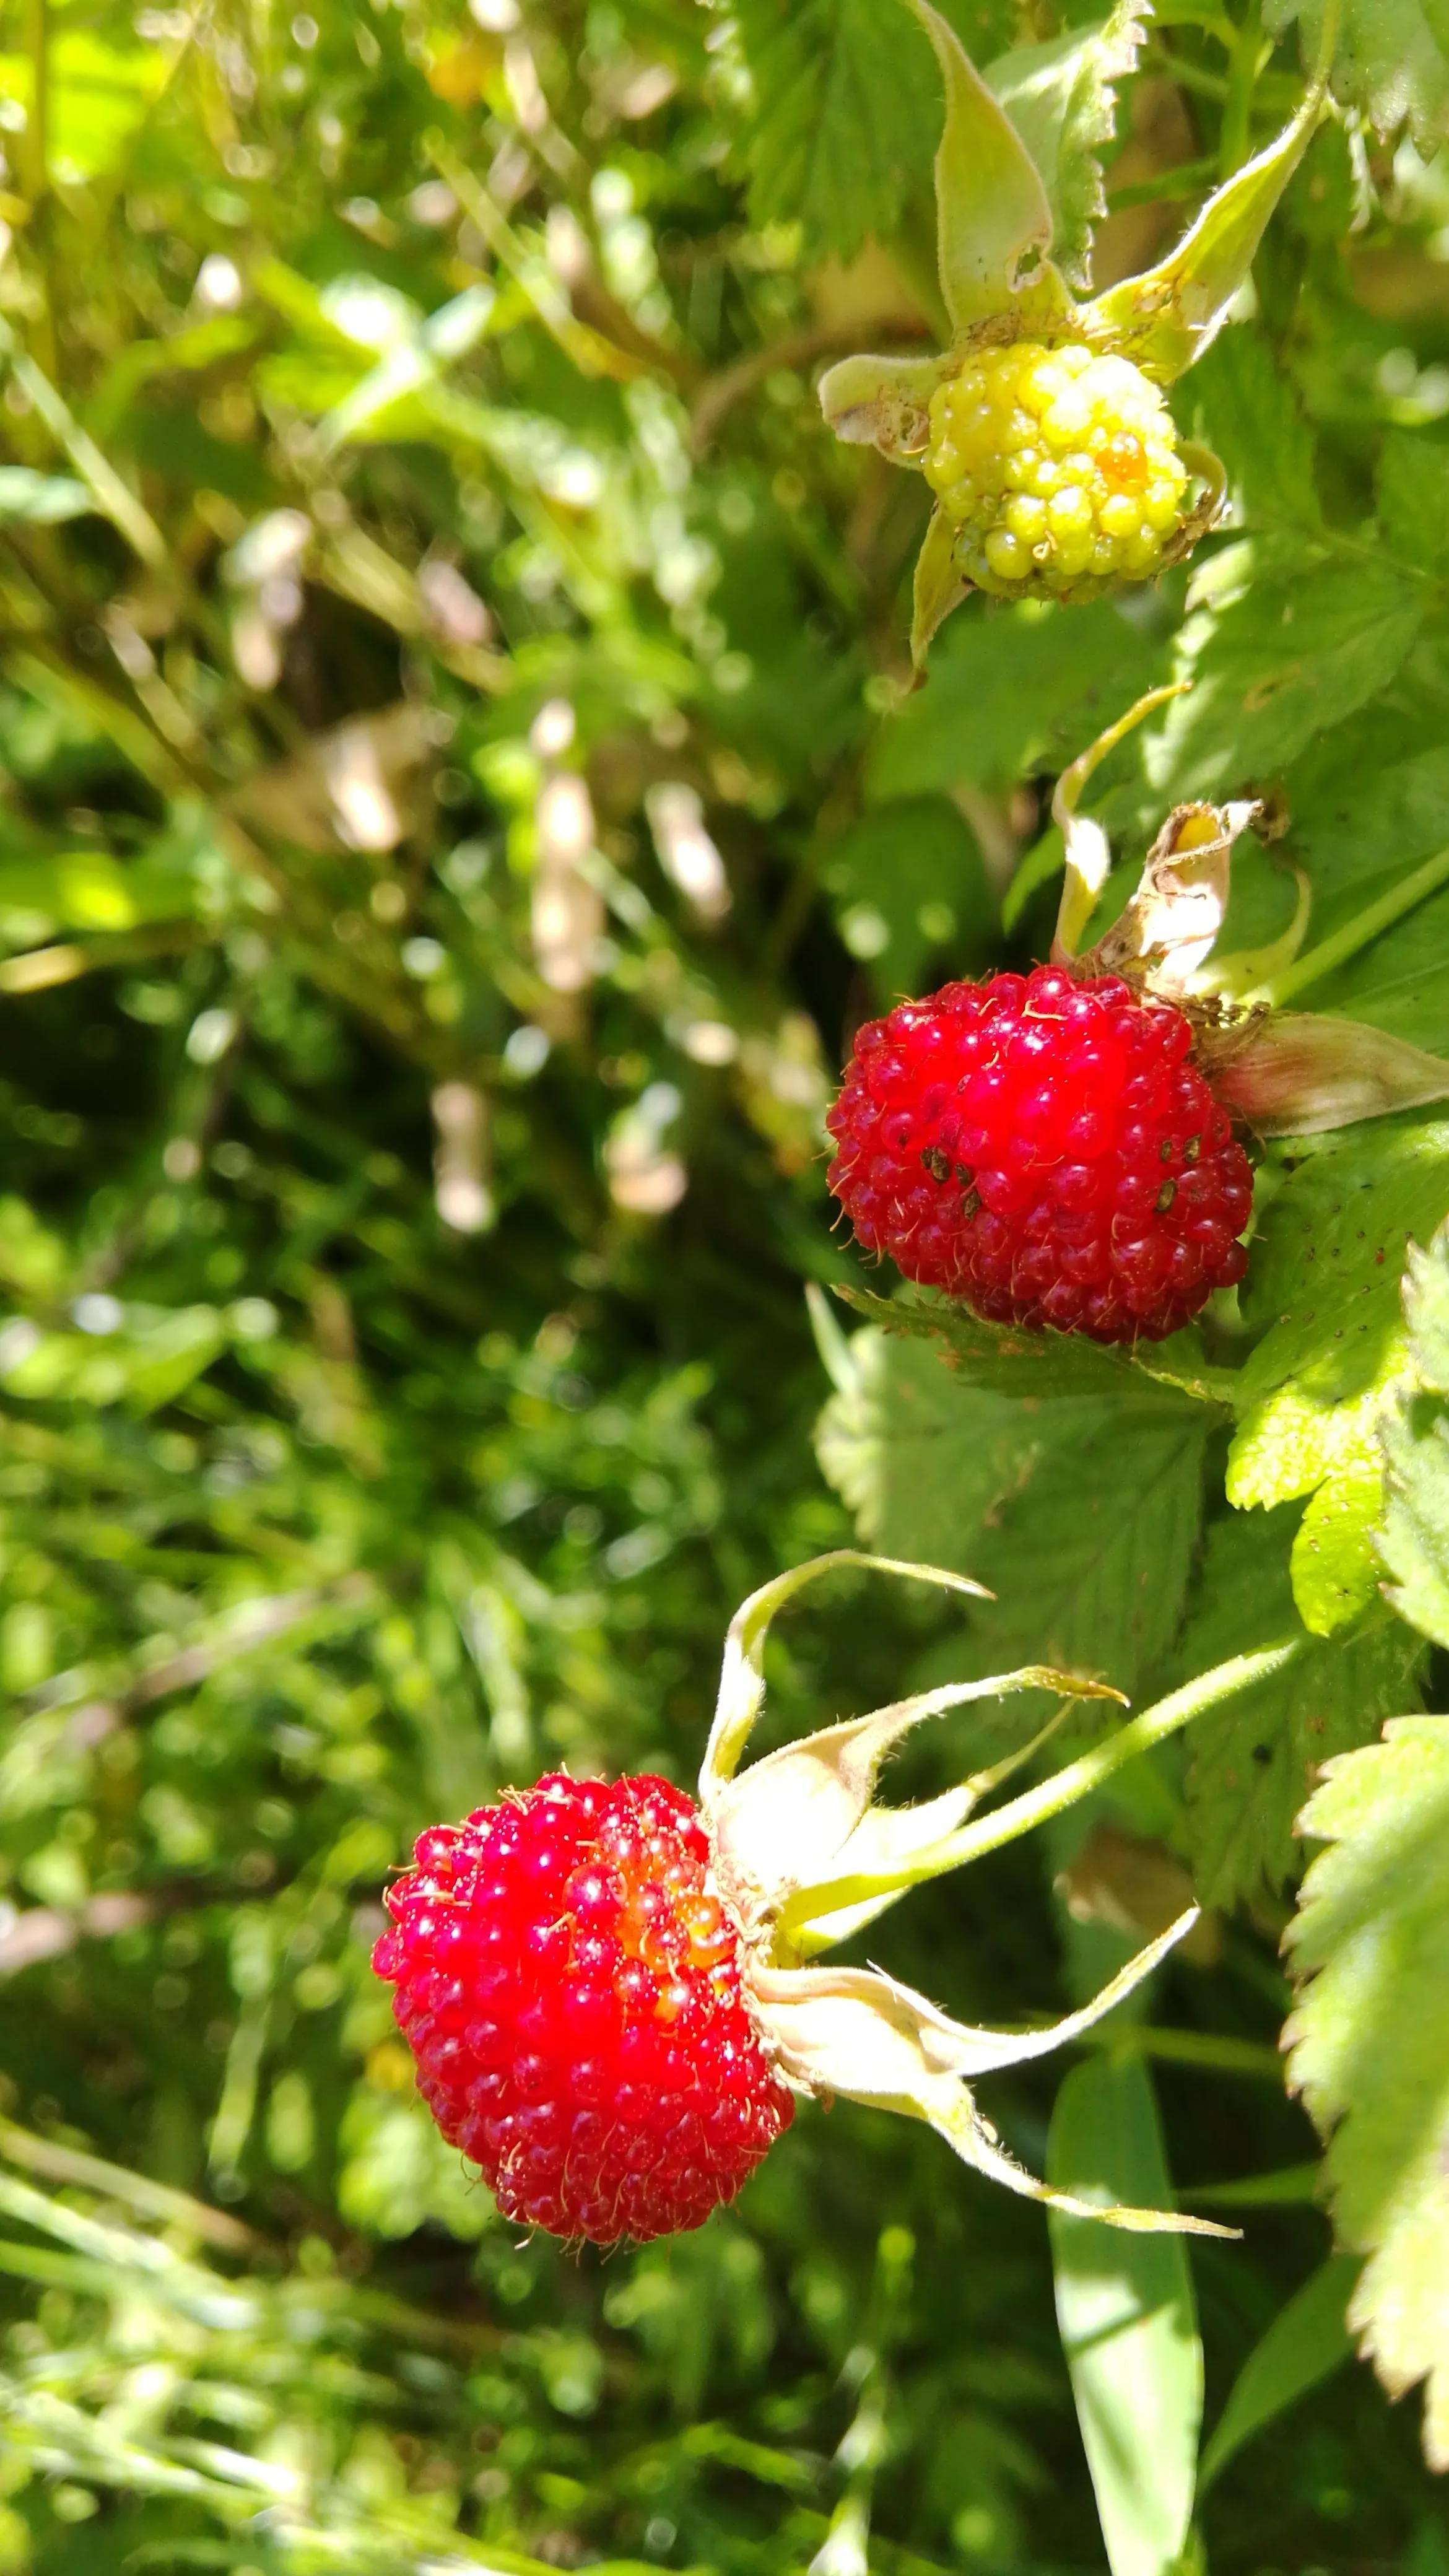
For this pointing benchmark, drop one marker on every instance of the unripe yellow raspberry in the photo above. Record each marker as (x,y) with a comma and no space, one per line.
(1059,469)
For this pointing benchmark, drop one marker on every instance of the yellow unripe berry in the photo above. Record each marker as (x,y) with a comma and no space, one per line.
(1058,468)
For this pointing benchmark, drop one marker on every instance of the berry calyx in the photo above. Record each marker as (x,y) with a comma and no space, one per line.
(570,1985)
(1043,1147)
(1059,470)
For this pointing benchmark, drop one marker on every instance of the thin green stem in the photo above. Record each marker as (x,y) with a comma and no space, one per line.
(1249,55)
(1051,1797)
(37,135)
(1356,934)
(113,498)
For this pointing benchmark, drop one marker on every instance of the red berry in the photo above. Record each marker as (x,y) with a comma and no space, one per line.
(569,1983)
(1044,1147)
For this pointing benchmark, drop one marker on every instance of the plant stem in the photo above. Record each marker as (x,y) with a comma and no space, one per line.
(1248,57)
(1356,934)
(1034,1806)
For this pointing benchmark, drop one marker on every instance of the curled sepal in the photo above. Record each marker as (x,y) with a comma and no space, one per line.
(806,1811)
(939,585)
(1088,851)
(1166,317)
(993,215)
(742,1675)
(1295,1073)
(1168,929)
(882,402)
(857,2032)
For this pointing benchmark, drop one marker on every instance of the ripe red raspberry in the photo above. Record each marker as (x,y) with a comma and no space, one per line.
(570,1987)
(1043,1147)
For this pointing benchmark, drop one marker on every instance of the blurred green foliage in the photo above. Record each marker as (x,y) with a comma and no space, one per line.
(458,803)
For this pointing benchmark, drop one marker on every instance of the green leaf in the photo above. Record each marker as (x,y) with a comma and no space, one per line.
(1016,1362)
(1318,1388)
(96,97)
(1249,1763)
(905,883)
(1061,98)
(1014,690)
(843,114)
(1413,491)
(1081,1514)
(40,500)
(1307,2341)
(1277,653)
(1128,2318)
(1414,1539)
(1240,403)
(993,215)
(1368,2044)
(918,1454)
(1391,59)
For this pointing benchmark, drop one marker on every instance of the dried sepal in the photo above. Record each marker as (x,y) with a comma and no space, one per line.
(1165,318)
(882,402)
(1087,848)
(1298,1073)
(993,215)
(938,587)
(1169,927)
(855,2031)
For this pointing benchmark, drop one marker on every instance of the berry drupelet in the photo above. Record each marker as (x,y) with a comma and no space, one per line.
(1058,469)
(569,1984)
(1044,1148)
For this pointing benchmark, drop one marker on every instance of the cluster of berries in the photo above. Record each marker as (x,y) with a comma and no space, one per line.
(1058,468)
(1044,1147)
(570,1987)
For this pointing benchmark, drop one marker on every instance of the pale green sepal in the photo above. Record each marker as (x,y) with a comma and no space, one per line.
(854,2031)
(993,215)
(806,1810)
(785,1820)
(1295,1073)
(887,1839)
(882,402)
(976,2143)
(1166,317)
(742,1677)
(940,585)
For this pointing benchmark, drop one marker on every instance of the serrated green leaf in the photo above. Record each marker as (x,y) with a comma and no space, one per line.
(1413,495)
(1358,830)
(917,1454)
(845,113)
(1015,1362)
(1241,404)
(1080,1513)
(1368,2044)
(1277,653)
(1306,2342)
(1013,690)
(1391,59)
(1249,1763)
(1318,1388)
(1414,1539)
(1061,98)
(1127,2316)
